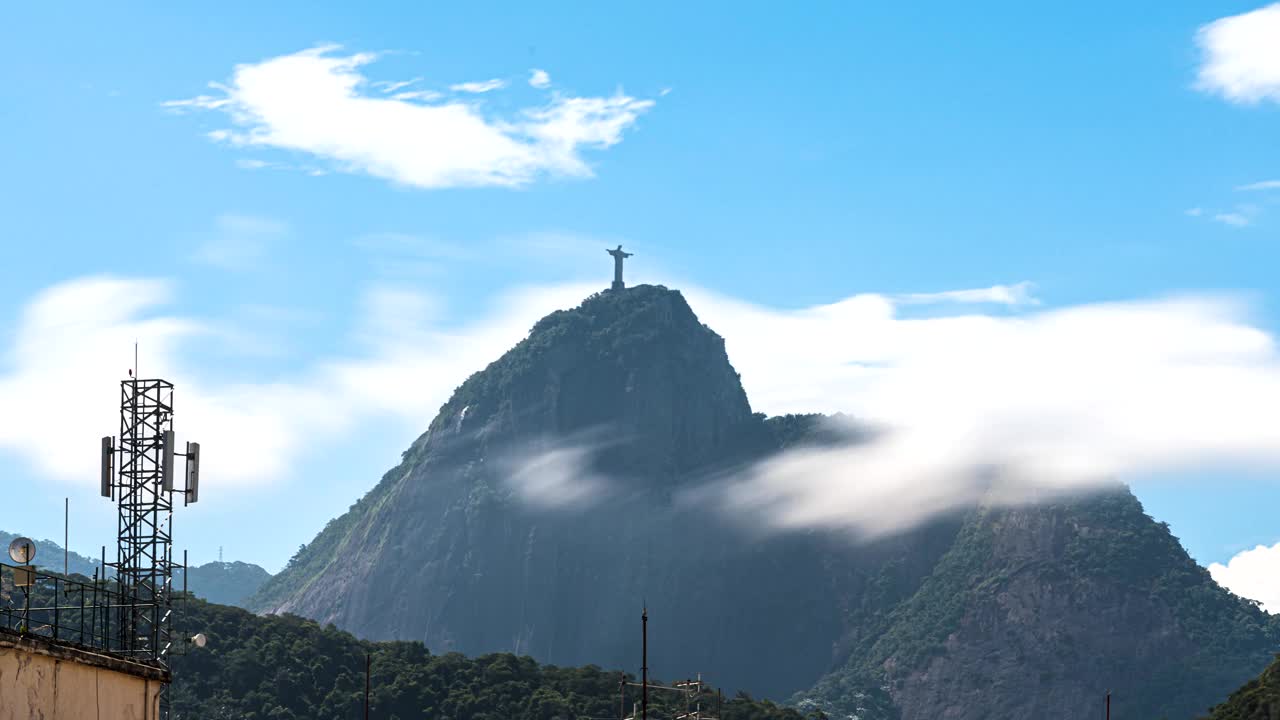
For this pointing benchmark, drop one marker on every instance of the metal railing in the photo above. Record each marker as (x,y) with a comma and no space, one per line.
(90,614)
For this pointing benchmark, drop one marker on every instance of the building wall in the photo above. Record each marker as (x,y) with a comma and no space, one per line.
(41,681)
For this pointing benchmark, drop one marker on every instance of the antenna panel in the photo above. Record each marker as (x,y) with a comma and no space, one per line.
(193,472)
(108,464)
(166,474)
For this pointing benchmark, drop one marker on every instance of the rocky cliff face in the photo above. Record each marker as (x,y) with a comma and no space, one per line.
(445,550)
(543,506)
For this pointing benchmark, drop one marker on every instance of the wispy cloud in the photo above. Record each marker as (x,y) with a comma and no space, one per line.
(390,86)
(557,474)
(74,341)
(1241,216)
(1013,295)
(239,242)
(1254,574)
(411,257)
(418,95)
(315,102)
(479,87)
(1241,56)
(992,407)
(539,78)
(1263,185)
(1234,219)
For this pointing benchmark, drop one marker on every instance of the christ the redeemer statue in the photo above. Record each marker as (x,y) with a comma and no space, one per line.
(618,257)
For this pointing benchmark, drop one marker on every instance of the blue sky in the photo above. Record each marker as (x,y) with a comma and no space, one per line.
(784,160)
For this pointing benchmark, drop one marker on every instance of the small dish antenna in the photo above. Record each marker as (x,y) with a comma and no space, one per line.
(22,550)
(199,640)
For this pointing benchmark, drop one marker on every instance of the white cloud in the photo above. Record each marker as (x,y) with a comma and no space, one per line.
(1241,56)
(1012,295)
(1027,406)
(539,78)
(557,475)
(74,343)
(479,87)
(1195,212)
(389,86)
(1234,219)
(239,242)
(1254,574)
(1263,185)
(199,102)
(1035,403)
(314,102)
(418,95)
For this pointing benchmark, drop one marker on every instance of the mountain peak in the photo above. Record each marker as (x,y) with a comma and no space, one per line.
(633,363)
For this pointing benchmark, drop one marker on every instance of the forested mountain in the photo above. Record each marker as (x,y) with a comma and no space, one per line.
(49,555)
(1045,608)
(622,404)
(225,583)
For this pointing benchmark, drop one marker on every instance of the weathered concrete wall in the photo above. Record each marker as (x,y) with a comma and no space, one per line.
(44,681)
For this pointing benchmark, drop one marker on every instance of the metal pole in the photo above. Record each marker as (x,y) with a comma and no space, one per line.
(622,696)
(644,664)
(1108,705)
(66,536)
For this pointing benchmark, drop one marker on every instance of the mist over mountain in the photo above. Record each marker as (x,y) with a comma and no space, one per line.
(564,486)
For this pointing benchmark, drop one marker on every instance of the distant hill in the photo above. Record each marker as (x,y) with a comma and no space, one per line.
(1259,699)
(288,668)
(989,613)
(228,583)
(49,555)
(225,583)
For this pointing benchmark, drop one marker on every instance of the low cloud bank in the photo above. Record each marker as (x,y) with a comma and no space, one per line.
(974,397)
(983,404)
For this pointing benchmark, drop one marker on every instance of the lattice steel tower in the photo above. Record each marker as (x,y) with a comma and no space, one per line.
(137,472)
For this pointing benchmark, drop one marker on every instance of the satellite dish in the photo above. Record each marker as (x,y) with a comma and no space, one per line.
(199,640)
(22,550)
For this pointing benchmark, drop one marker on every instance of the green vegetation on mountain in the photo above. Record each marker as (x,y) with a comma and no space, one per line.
(225,583)
(1258,699)
(49,555)
(1078,597)
(288,668)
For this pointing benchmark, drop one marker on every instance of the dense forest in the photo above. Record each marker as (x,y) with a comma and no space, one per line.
(286,668)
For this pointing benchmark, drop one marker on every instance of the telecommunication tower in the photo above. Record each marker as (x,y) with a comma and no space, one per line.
(138,474)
